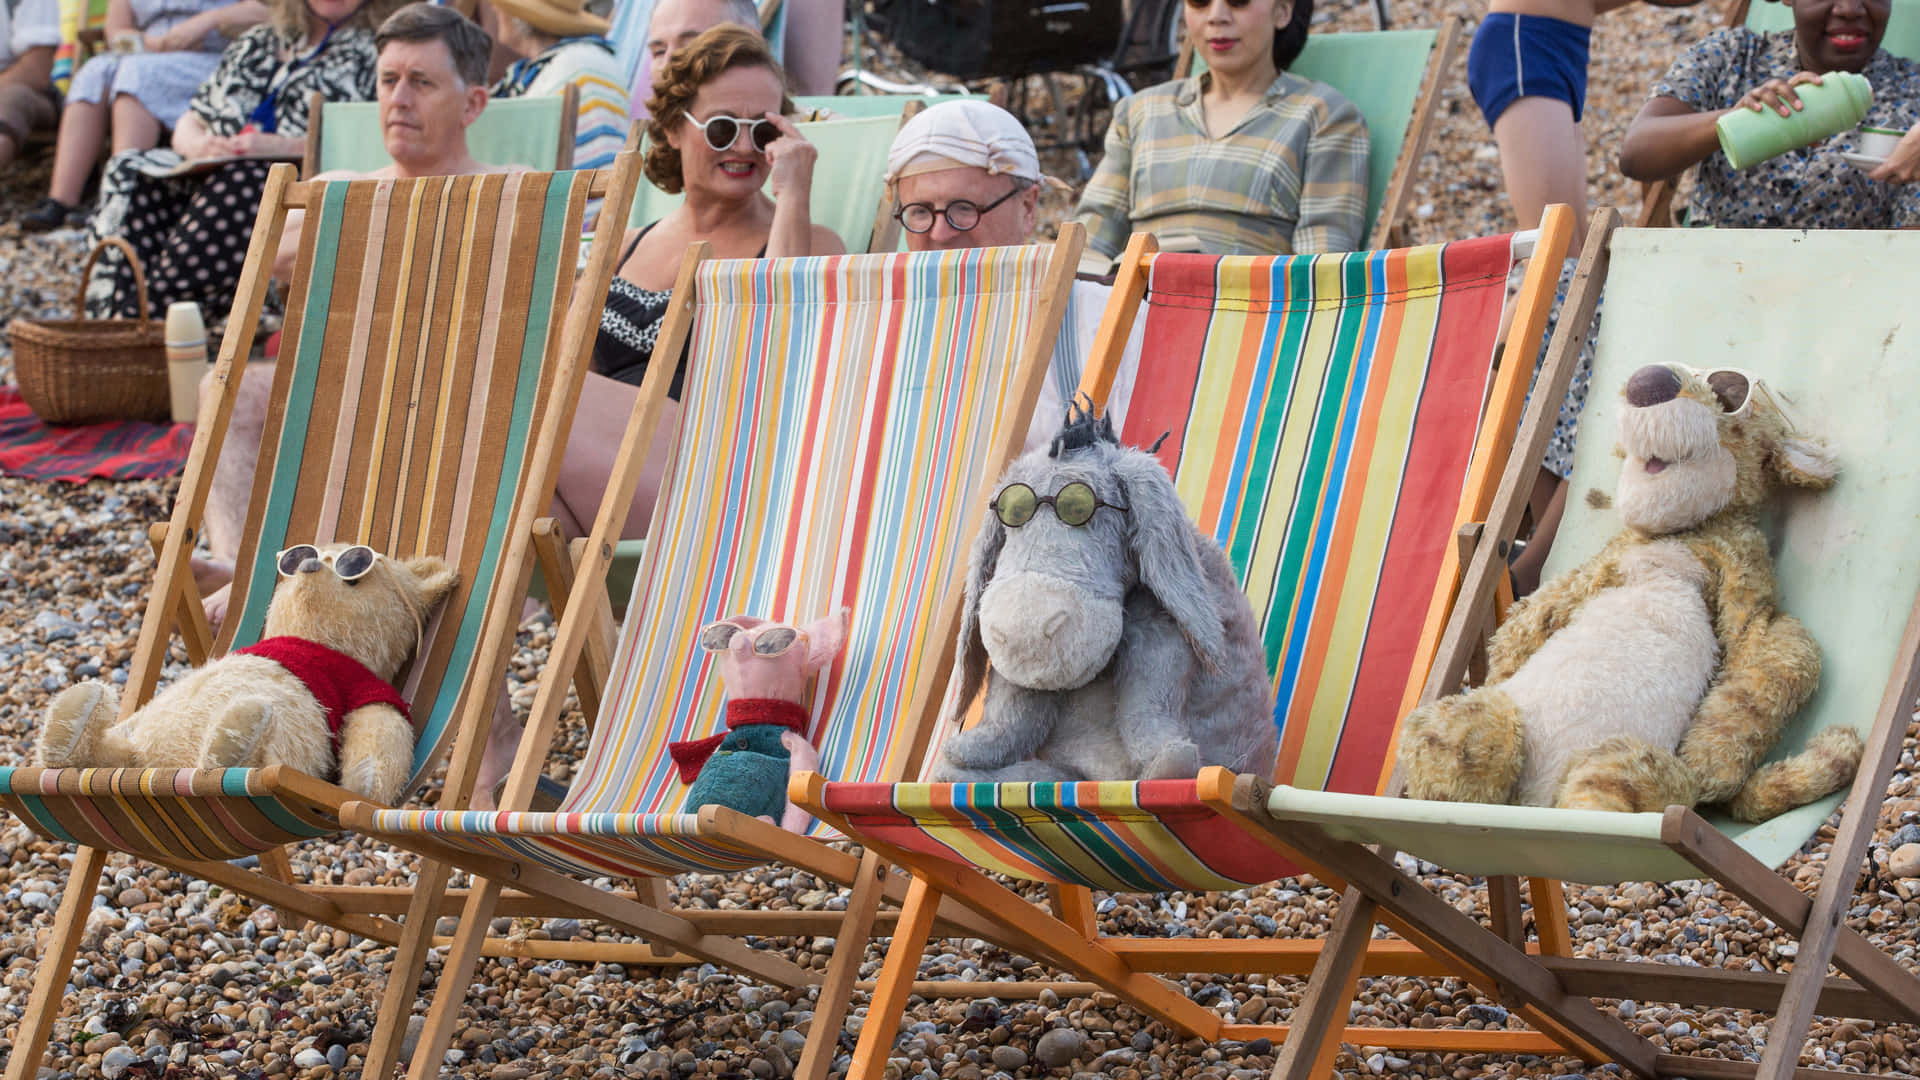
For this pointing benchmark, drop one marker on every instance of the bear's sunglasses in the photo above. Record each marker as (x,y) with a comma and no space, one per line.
(771,639)
(1736,388)
(351,564)
(722,131)
(1073,505)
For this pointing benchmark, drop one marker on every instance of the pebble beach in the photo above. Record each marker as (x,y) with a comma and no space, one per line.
(177,978)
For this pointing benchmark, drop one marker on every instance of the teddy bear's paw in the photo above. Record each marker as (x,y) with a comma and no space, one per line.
(77,712)
(235,734)
(1178,761)
(1467,748)
(366,777)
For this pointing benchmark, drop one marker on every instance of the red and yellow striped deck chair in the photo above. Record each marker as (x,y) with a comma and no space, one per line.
(431,358)
(1335,421)
(842,420)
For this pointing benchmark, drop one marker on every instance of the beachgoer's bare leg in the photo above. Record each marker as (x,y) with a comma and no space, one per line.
(134,128)
(504,733)
(1548,502)
(815,36)
(226,512)
(1543,156)
(83,132)
(593,442)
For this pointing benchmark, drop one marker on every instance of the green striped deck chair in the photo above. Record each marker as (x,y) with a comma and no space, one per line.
(437,337)
(1393,78)
(849,193)
(1848,563)
(842,420)
(1332,420)
(533,132)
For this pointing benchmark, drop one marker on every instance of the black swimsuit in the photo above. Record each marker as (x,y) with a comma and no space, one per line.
(629,326)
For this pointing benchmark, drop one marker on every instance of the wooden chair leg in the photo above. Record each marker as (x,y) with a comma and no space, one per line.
(1503,909)
(896,982)
(404,974)
(1073,905)
(556,562)
(189,618)
(456,973)
(56,964)
(1313,1033)
(850,950)
(1549,898)
(278,865)
(653,890)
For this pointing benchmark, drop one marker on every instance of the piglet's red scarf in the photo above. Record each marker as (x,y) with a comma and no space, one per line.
(693,753)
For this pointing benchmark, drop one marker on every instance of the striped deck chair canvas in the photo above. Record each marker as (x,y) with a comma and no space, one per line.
(423,363)
(1330,421)
(837,456)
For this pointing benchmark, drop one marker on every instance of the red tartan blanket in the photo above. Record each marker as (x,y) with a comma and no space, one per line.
(132,450)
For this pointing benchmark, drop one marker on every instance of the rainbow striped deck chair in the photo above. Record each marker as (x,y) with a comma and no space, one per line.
(842,420)
(1334,421)
(430,360)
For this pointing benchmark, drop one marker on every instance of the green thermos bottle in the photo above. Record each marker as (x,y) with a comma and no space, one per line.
(1838,102)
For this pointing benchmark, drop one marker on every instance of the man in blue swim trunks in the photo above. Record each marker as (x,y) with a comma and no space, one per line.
(1528,74)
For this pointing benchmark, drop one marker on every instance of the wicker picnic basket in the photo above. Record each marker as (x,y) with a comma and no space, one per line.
(84,371)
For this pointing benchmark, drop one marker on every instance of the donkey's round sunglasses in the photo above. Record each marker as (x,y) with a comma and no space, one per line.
(1074,504)
(350,564)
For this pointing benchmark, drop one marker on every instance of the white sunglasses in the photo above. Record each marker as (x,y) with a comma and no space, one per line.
(1736,388)
(351,564)
(722,131)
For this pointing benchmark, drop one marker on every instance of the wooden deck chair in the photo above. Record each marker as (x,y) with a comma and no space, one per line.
(1733,296)
(1335,421)
(1394,78)
(849,193)
(429,349)
(535,132)
(856,106)
(843,418)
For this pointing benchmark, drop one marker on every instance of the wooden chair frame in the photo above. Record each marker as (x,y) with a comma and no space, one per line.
(174,606)
(1544,979)
(676,934)
(1128,967)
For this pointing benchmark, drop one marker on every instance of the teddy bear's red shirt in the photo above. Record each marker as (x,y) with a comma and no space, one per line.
(337,681)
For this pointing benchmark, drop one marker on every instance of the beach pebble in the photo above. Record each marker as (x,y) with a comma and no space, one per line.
(1058,1047)
(1905,861)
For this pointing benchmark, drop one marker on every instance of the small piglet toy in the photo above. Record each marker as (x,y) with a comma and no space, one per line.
(766,668)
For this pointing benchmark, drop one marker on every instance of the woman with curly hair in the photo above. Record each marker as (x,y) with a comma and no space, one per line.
(1246,158)
(189,211)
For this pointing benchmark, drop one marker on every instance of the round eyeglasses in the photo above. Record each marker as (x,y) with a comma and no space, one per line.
(1735,387)
(772,639)
(961,214)
(722,130)
(1073,505)
(351,564)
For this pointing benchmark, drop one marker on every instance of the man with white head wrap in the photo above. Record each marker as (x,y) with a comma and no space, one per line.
(965,174)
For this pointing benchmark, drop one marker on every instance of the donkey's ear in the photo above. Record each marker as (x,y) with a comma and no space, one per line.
(1167,548)
(981,562)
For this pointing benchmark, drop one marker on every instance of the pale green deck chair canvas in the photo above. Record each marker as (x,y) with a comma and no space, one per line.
(849,194)
(535,132)
(861,106)
(1848,559)
(1392,77)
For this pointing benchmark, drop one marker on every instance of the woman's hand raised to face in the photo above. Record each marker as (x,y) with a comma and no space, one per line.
(790,158)
(1778,95)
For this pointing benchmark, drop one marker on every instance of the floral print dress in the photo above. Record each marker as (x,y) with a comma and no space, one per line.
(191,231)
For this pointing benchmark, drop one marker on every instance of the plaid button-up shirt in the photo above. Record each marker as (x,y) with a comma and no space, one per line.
(1290,178)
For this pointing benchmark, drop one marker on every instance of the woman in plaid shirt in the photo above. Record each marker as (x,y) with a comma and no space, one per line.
(1244,159)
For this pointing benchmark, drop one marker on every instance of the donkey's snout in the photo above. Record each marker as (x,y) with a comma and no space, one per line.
(1652,385)
(1055,623)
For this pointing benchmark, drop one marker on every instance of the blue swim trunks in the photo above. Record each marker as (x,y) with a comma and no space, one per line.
(1515,56)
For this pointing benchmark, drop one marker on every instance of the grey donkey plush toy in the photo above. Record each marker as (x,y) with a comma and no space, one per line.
(1122,648)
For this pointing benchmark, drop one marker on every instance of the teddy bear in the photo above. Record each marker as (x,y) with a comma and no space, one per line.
(1661,671)
(1121,645)
(315,693)
(765,667)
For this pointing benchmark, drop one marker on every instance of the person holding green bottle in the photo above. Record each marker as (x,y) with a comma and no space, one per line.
(1785,75)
